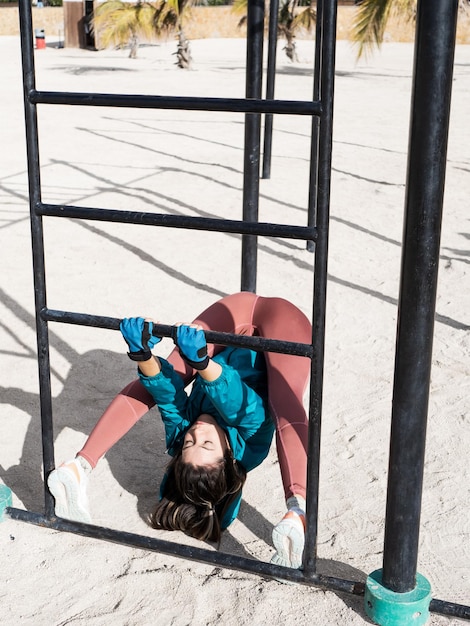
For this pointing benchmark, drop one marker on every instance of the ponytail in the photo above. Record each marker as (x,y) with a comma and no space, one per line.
(195,499)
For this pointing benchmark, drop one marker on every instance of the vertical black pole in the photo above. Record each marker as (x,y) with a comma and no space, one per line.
(325,143)
(430,109)
(313,180)
(270,81)
(254,76)
(32,146)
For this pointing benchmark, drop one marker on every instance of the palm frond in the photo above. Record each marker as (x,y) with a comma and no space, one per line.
(370,23)
(180,7)
(305,19)
(165,19)
(117,22)
(372,18)
(285,13)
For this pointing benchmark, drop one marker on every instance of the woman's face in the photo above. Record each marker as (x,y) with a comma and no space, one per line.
(204,443)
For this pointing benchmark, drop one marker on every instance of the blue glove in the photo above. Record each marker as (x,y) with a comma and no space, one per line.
(137,334)
(192,345)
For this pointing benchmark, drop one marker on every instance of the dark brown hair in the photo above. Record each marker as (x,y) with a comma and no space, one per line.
(195,498)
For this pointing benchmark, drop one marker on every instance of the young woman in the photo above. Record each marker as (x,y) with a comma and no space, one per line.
(218,433)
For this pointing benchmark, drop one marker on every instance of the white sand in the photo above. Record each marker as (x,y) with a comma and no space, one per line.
(191,163)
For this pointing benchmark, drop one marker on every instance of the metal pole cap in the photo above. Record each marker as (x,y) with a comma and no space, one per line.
(390,608)
(5,500)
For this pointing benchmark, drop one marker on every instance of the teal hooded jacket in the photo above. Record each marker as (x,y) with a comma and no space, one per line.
(237,400)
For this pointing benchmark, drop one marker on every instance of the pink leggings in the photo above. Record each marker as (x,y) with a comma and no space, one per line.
(244,314)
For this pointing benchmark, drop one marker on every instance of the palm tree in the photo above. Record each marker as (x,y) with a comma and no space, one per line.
(169,16)
(120,23)
(291,18)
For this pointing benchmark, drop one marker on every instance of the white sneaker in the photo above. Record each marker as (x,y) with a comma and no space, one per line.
(289,540)
(68,485)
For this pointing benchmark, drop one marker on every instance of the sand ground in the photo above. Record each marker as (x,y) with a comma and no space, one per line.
(191,163)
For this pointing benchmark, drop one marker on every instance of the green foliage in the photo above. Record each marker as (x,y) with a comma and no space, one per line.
(118,23)
(169,14)
(291,19)
(372,17)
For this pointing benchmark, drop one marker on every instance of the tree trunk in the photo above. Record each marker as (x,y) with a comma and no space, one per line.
(183,53)
(291,52)
(134,46)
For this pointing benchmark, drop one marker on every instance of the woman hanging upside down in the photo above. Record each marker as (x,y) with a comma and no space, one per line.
(221,430)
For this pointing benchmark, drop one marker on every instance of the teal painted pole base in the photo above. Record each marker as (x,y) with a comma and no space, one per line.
(389,608)
(5,500)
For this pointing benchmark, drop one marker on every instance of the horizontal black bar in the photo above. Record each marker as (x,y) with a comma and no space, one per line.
(163,330)
(202,555)
(450,609)
(187,103)
(179,221)
(221,559)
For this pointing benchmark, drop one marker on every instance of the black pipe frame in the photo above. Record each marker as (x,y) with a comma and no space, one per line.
(430,113)
(314,147)
(250,228)
(251,161)
(163,330)
(270,85)
(315,233)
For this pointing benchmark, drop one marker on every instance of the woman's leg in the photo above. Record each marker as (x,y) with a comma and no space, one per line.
(288,375)
(68,483)
(287,379)
(125,410)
